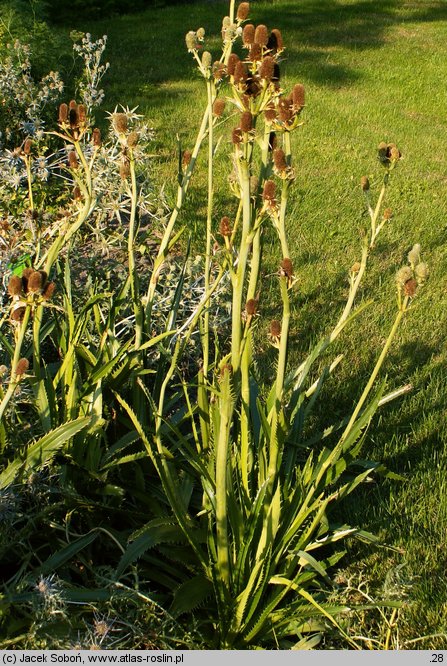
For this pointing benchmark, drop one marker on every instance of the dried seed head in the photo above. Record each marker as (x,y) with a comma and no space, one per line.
(207,59)
(49,290)
(225,226)
(124,167)
(364,183)
(275,42)
(240,73)
(254,185)
(73,159)
(63,113)
(270,114)
(414,255)
(275,328)
(186,158)
(236,136)
(261,35)
(200,34)
(119,123)
(410,287)
(298,97)
(267,69)
(96,137)
(36,281)
(356,267)
(286,267)
(18,313)
(246,121)
(73,114)
(191,40)
(82,114)
(285,112)
(403,275)
(219,70)
(255,52)
(248,34)
(388,153)
(387,214)
(279,160)
(269,192)
(15,285)
(22,367)
(421,273)
(27,146)
(232,62)
(243,11)
(251,307)
(219,107)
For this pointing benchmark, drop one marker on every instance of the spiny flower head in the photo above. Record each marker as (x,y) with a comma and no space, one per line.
(243,11)
(246,121)
(286,269)
(218,107)
(225,226)
(261,35)
(21,367)
(251,307)
(248,35)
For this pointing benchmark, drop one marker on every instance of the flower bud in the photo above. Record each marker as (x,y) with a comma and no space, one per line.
(261,35)
(269,192)
(248,34)
(207,59)
(225,226)
(403,275)
(243,11)
(15,285)
(267,68)
(232,62)
(36,282)
(218,107)
(190,40)
(251,307)
(22,367)
(414,255)
(286,268)
(364,183)
(421,273)
(27,146)
(298,96)
(186,158)
(63,113)
(246,121)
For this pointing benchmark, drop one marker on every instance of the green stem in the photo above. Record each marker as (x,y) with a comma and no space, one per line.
(206,319)
(222,449)
(13,382)
(134,288)
(375,214)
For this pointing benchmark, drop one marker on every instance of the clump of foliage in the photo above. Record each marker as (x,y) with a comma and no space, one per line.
(180,474)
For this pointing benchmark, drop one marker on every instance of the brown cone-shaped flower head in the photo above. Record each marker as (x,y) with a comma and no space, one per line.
(219,70)
(232,62)
(246,121)
(275,328)
(73,159)
(186,158)
(267,68)
(27,146)
(63,113)
(298,96)
(261,35)
(18,314)
(243,11)
(218,107)
(96,137)
(82,114)
(410,287)
(119,122)
(285,112)
(269,191)
(240,73)
(48,291)
(36,282)
(248,34)
(251,307)
(225,226)
(77,194)
(15,285)
(279,159)
(286,267)
(275,42)
(255,52)
(387,214)
(22,367)
(236,136)
(364,183)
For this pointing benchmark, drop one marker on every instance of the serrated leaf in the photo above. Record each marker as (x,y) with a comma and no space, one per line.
(42,451)
(191,594)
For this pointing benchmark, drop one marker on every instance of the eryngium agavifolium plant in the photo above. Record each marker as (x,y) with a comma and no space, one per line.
(249,497)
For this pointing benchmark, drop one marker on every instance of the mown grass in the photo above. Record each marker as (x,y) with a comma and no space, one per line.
(374,71)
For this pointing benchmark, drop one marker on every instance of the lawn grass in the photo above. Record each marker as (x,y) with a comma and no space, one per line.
(374,70)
